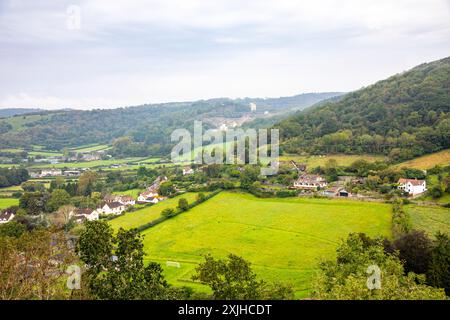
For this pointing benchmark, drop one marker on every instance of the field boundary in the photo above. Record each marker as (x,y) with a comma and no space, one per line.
(164,218)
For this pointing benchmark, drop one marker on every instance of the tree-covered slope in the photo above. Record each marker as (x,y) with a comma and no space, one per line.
(148,125)
(403,116)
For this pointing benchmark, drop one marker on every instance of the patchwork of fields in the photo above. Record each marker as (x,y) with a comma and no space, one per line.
(283,238)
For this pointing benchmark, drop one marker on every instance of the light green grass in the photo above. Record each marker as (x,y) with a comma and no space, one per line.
(148,214)
(45,153)
(12,150)
(429,218)
(91,148)
(88,164)
(11,188)
(133,192)
(18,122)
(8,202)
(283,238)
(428,161)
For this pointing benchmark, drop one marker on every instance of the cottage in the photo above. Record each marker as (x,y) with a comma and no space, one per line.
(412,186)
(72,173)
(81,215)
(6,216)
(310,181)
(125,200)
(187,170)
(51,173)
(111,208)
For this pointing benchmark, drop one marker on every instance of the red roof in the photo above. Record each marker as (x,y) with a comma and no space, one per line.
(414,182)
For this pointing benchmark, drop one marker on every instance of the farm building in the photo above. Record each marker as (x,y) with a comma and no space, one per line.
(412,186)
(111,208)
(81,215)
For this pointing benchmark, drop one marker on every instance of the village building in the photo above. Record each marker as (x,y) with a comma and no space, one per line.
(412,186)
(310,182)
(125,200)
(50,173)
(336,191)
(111,208)
(72,173)
(149,197)
(81,215)
(187,170)
(6,216)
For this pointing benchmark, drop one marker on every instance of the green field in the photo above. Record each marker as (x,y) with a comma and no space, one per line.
(133,192)
(18,122)
(283,238)
(88,164)
(430,219)
(148,214)
(441,158)
(90,148)
(8,202)
(45,153)
(341,159)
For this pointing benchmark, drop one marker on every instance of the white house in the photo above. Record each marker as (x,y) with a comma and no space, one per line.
(84,214)
(149,197)
(310,181)
(187,170)
(111,208)
(51,172)
(412,186)
(6,216)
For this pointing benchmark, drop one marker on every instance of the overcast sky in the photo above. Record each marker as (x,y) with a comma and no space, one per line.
(129,52)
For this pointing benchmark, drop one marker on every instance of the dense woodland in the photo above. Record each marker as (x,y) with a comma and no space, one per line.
(12,177)
(404,116)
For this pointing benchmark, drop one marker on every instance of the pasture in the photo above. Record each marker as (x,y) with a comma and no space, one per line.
(428,161)
(283,238)
(429,218)
(8,202)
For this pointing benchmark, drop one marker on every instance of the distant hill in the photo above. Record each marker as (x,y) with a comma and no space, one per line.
(9,112)
(148,126)
(404,116)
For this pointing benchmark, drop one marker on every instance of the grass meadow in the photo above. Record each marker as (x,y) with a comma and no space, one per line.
(427,161)
(283,238)
(8,202)
(430,219)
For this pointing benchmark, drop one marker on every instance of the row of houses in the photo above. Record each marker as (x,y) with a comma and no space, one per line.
(55,173)
(112,205)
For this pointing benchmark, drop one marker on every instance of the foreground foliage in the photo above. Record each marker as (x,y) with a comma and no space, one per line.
(347,277)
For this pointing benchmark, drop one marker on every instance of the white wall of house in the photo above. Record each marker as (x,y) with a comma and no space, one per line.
(413,189)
